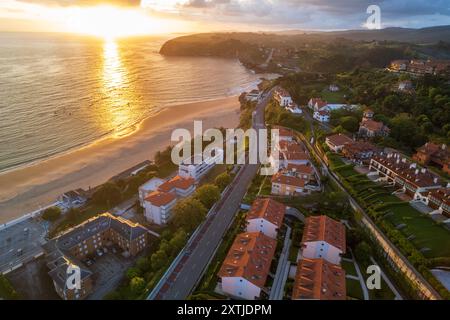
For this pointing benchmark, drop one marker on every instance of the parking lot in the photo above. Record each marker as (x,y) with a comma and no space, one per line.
(20,243)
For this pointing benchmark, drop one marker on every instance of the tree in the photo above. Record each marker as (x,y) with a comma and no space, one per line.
(349,123)
(159,259)
(137,285)
(208,194)
(188,214)
(132,273)
(223,180)
(51,214)
(363,252)
(107,195)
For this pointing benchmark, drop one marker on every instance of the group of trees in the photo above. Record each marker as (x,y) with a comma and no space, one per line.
(413,117)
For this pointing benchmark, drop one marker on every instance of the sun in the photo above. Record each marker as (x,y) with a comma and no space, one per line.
(113,22)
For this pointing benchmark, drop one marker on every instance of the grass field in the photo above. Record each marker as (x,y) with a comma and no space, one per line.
(333,97)
(354,289)
(427,233)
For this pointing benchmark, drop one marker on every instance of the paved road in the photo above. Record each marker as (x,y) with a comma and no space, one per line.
(190,265)
(282,273)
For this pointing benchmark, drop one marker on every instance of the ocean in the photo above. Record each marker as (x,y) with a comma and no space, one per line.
(59,92)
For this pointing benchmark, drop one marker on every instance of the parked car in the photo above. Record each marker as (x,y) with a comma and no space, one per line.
(99,252)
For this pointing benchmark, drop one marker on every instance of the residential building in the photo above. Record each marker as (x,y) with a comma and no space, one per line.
(318,279)
(197,166)
(434,154)
(158,206)
(439,199)
(61,267)
(266,216)
(285,133)
(336,142)
(83,241)
(371,128)
(322,116)
(399,65)
(317,104)
(368,114)
(73,199)
(284,185)
(181,186)
(333,88)
(394,169)
(324,238)
(283,97)
(246,267)
(359,151)
(149,187)
(405,86)
(302,171)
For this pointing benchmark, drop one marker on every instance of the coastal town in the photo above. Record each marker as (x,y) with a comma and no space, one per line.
(356,205)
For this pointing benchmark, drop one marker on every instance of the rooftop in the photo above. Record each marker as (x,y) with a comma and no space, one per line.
(323,228)
(373,125)
(339,139)
(158,198)
(249,257)
(268,209)
(177,182)
(319,280)
(288,180)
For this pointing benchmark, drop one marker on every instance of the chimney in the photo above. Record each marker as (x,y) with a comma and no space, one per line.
(416,172)
(435,180)
(423,170)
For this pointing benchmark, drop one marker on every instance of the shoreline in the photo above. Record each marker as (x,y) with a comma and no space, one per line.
(34,185)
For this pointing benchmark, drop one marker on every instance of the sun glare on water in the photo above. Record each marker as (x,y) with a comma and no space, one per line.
(112,22)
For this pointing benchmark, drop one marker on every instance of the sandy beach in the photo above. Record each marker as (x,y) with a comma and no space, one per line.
(27,189)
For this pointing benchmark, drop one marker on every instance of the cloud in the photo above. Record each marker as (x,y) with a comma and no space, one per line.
(66,3)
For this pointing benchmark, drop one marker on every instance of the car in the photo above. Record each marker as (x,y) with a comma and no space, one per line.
(19,252)
(89,262)
(99,252)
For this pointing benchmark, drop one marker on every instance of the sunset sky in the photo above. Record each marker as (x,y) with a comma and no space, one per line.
(133,17)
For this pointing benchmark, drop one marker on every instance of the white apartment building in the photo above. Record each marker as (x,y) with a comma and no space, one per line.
(196,166)
(149,187)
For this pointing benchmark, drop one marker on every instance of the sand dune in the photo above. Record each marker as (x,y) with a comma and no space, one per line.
(26,189)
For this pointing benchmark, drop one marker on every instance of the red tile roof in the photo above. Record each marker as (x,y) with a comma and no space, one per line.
(268,209)
(249,257)
(288,180)
(300,168)
(319,280)
(177,182)
(320,103)
(158,198)
(339,139)
(284,132)
(373,125)
(323,228)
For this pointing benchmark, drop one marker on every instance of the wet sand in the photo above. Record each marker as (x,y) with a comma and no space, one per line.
(26,189)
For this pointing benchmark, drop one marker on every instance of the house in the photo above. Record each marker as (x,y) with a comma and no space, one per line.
(83,241)
(198,165)
(316,104)
(247,265)
(148,187)
(266,216)
(73,199)
(285,133)
(318,279)
(371,128)
(322,116)
(359,151)
(412,180)
(399,65)
(323,238)
(439,200)
(368,114)
(183,187)
(283,97)
(336,142)
(405,86)
(253,95)
(333,88)
(434,154)
(284,185)
(302,171)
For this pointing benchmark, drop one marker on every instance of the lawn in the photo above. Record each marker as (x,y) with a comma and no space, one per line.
(427,233)
(349,267)
(333,97)
(354,289)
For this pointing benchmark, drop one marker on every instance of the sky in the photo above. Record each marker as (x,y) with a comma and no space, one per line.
(129,17)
